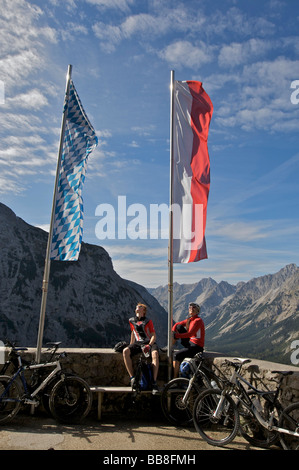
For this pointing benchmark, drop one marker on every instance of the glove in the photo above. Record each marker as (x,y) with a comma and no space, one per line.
(146,349)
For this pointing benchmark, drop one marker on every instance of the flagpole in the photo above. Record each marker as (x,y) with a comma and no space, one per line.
(170,242)
(47,259)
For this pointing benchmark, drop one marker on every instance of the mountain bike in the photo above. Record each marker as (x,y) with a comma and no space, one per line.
(66,396)
(178,395)
(218,415)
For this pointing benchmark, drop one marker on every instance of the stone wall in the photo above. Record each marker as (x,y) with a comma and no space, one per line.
(106,367)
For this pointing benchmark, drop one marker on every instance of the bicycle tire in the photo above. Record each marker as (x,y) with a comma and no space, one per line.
(220,431)
(289,419)
(10,401)
(70,400)
(46,392)
(252,430)
(175,411)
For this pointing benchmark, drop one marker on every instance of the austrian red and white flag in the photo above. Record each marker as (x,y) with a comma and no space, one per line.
(193,111)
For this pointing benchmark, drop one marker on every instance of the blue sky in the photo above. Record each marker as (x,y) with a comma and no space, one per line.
(246,53)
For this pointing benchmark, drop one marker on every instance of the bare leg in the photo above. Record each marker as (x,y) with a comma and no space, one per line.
(176,368)
(128,361)
(155,363)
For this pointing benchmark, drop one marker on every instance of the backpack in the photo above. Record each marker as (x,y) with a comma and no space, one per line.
(120,346)
(146,380)
(188,367)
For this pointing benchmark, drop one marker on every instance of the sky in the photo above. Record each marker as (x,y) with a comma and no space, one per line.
(246,54)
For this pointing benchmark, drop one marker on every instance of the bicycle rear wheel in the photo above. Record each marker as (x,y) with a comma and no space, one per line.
(175,411)
(10,398)
(220,430)
(289,419)
(70,400)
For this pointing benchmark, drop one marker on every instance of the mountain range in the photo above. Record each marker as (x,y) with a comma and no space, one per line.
(88,303)
(258,318)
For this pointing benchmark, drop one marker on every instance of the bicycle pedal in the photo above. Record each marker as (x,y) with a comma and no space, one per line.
(30,401)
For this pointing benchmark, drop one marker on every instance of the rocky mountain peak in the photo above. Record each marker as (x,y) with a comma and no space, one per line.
(88,303)
(258,318)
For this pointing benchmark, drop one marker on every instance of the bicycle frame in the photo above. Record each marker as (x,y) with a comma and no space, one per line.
(236,379)
(20,372)
(192,380)
(199,373)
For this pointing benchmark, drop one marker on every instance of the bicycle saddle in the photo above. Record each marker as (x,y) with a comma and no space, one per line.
(240,362)
(52,345)
(283,372)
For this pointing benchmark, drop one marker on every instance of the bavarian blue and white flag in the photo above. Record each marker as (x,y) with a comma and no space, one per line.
(79,141)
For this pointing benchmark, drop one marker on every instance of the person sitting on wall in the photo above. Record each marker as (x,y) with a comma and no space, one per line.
(142,334)
(191,332)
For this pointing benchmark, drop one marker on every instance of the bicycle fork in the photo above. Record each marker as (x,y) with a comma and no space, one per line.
(220,406)
(187,392)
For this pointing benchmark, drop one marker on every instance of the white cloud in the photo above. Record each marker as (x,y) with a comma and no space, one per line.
(9,185)
(21,40)
(112,4)
(260,98)
(134,144)
(24,140)
(239,53)
(45,227)
(72,30)
(236,21)
(183,53)
(136,261)
(147,26)
(19,66)
(269,72)
(238,230)
(33,99)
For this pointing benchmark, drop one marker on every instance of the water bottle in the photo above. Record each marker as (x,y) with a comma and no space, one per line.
(213,383)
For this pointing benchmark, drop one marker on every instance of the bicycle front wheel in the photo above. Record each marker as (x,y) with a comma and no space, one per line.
(216,417)
(289,420)
(10,398)
(70,400)
(174,409)
(251,429)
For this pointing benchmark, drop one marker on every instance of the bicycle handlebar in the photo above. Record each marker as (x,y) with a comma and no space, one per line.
(52,346)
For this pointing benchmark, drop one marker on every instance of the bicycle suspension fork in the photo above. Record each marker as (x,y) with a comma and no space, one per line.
(220,405)
(187,392)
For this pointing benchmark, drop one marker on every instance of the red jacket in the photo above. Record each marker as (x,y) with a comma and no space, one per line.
(196,331)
